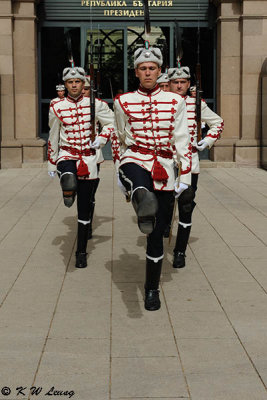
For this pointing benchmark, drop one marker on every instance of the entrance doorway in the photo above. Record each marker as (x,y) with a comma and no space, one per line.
(113,51)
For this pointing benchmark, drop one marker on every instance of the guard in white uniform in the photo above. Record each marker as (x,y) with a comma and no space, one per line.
(149,123)
(180,83)
(60,94)
(164,82)
(72,153)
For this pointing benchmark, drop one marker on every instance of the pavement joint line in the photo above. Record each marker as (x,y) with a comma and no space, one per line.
(31,252)
(52,319)
(176,344)
(25,212)
(16,193)
(241,262)
(229,320)
(246,201)
(249,174)
(111,286)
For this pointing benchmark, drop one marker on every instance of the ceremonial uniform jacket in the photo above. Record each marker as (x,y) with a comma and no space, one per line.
(70,130)
(55,100)
(214,122)
(149,124)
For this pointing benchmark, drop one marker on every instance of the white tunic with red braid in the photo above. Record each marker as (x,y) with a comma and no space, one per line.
(149,124)
(70,130)
(214,122)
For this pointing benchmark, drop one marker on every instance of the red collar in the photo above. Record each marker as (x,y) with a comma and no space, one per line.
(148,92)
(72,100)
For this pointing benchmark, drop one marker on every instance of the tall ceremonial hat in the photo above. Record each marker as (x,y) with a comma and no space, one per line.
(73,73)
(152,54)
(163,78)
(60,87)
(179,73)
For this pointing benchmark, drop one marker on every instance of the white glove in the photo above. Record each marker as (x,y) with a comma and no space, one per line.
(121,186)
(95,144)
(202,144)
(52,174)
(179,189)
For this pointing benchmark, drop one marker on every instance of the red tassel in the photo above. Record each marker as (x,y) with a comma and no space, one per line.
(82,169)
(158,172)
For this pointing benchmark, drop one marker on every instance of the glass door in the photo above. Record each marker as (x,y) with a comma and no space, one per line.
(113,51)
(108,56)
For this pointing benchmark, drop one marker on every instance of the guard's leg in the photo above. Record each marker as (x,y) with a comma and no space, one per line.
(184,226)
(153,272)
(92,207)
(84,193)
(169,219)
(138,181)
(155,252)
(145,205)
(68,181)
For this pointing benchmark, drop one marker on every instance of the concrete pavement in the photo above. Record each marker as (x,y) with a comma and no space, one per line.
(84,334)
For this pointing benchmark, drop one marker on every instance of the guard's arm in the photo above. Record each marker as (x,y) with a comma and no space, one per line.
(182,142)
(106,118)
(215,123)
(53,140)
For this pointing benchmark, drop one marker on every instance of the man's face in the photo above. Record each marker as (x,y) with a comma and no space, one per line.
(61,93)
(148,73)
(179,86)
(165,86)
(86,91)
(74,87)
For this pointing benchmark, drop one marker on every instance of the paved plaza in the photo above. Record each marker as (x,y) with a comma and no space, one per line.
(84,333)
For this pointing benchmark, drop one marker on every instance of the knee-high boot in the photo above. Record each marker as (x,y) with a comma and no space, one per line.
(81,261)
(184,229)
(180,246)
(145,205)
(153,272)
(92,209)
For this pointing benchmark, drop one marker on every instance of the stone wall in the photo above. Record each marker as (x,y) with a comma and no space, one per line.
(18,80)
(242,49)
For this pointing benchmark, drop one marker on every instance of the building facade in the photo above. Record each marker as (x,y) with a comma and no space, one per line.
(233,47)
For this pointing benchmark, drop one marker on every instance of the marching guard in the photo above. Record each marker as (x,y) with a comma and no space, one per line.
(149,123)
(72,149)
(164,82)
(60,93)
(180,84)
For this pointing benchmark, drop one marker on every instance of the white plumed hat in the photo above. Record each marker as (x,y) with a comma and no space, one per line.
(73,73)
(153,54)
(179,73)
(60,88)
(163,78)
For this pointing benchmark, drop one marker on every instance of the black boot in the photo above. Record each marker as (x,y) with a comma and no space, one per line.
(81,254)
(68,182)
(153,271)
(81,261)
(178,259)
(145,204)
(180,247)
